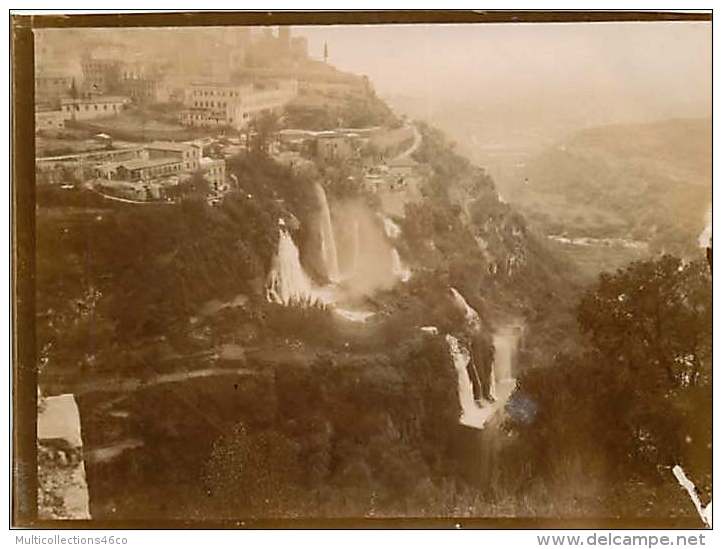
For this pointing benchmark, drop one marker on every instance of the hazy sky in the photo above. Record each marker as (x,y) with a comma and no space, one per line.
(538,78)
(663,67)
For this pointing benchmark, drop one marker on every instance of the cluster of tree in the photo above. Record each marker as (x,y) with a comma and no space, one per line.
(614,419)
(656,190)
(156,265)
(355,110)
(350,437)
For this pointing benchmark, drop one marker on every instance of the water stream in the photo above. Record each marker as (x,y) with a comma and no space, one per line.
(287,282)
(328,239)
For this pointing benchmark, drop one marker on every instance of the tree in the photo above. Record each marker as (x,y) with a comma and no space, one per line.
(636,402)
(195,187)
(653,319)
(265,126)
(254,473)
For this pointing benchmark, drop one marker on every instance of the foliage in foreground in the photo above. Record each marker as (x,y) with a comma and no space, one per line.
(638,401)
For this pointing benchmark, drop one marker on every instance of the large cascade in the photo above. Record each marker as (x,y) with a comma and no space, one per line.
(461,358)
(328,239)
(501,383)
(287,281)
(472,413)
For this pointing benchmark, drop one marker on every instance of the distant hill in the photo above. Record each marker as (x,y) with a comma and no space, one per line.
(648,182)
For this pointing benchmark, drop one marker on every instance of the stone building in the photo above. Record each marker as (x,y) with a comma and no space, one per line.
(233,105)
(93,107)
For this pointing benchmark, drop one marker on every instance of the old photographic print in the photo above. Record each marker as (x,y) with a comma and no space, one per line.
(426,271)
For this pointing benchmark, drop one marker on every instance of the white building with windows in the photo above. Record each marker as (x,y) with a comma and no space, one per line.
(189,153)
(234,105)
(93,107)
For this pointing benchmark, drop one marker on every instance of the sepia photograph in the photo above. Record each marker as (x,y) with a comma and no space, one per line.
(364,270)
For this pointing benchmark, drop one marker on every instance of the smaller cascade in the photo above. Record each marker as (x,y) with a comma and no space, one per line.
(398,268)
(506,343)
(492,382)
(506,347)
(392,230)
(356,244)
(472,317)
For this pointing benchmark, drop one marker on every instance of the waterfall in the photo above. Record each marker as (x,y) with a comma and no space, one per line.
(472,317)
(474,322)
(287,281)
(392,230)
(506,343)
(503,350)
(472,414)
(461,357)
(328,240)
(398,268)
(492,381)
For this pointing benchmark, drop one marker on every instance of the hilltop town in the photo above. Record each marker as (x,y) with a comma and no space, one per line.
(139,130)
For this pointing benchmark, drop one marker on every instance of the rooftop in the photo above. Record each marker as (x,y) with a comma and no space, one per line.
(171,145)
(217,85)
(140,163)
(98,99)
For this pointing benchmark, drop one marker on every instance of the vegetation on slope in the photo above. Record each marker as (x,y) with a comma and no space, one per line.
(330,420)
(646,182)
(606,425)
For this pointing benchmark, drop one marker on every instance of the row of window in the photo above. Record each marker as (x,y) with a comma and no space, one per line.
(214,118)
(210,104)
(206,93)
(204,117)
(160,170)
(87,107)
